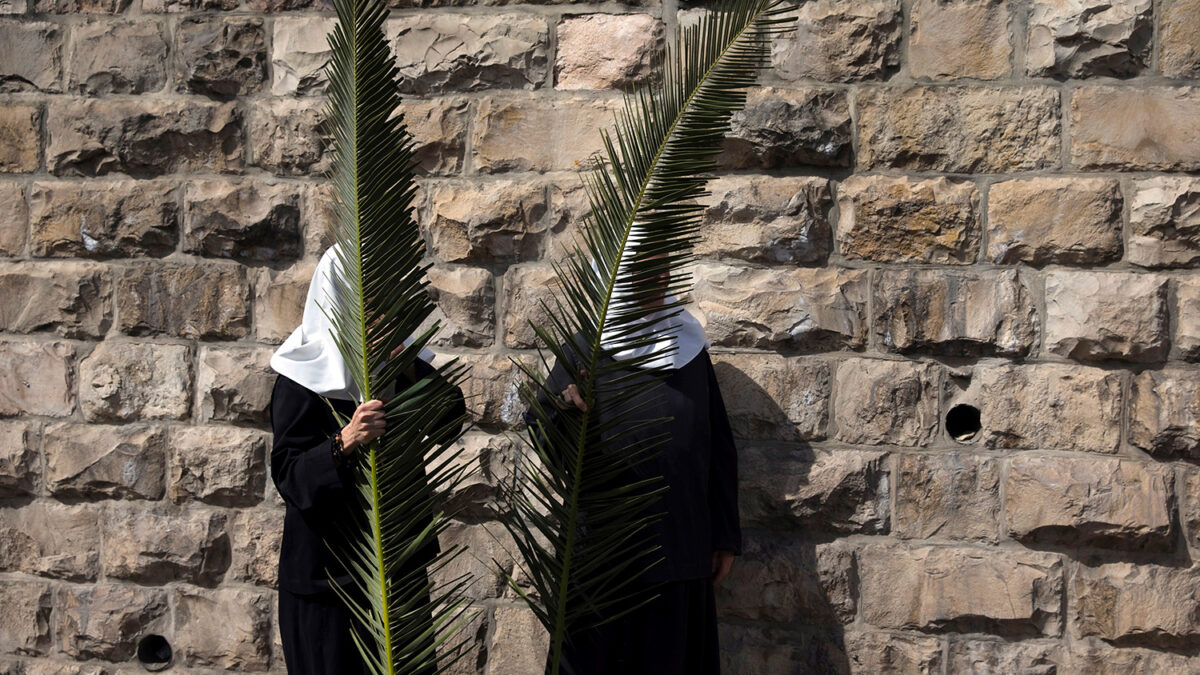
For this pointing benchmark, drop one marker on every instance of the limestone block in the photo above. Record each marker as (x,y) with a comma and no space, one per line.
(1179,22)
(299,52)
(204,301)
(968,38)
(25,623)
(14,218)
(32,58)
(20,460)
(154,544)
(1083,38)
(132,381)
(71,298)
(1095,316)
(441,52)
(528,291)
(439,128)
(779,579)
(20,132)
(106,621)
(519,643)
(38,380)
(224,628)
(905,220)
(768,396)
(841,42)
(285,136)
(117,57)
(780,128)
(234,384)
(766,219)
(991,656)
(121,219)
(950,495)
(1164,222)
(1187,323)
(219,56)
(1124,600)
(51,540)
(1055,221)
(279,300)
(496,221)
(526,134)
(218,465)
(606,51)
(466,300)
(1125,129)
(881,402)
(894,653)
(255,536)
(97,461)
(1164,413)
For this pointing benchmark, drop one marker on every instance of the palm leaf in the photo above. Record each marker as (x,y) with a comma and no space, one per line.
(402,623)
(580,531)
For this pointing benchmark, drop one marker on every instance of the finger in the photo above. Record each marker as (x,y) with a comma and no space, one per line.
(574,397)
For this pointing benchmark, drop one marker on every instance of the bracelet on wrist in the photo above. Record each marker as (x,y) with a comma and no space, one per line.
(340,458)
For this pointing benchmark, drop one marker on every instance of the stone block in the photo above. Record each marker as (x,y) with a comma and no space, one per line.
(496,221)
(299,52)
(442,52)
(1084,38)
(155,544)
(20,137)
(93,461)
(32,58)
(286,137)
(1123,601)
(1178,53)
(190,300)
(1164,414)
(879,402)
(106,621)
(233,384)
(519,643)
(466,300)
(778,579)
(1055,221)
(71,298)
(1187,322)
(1099,316)
(439,128)
(978,657)
(528,291)
(225,628)
(841,42)
(51,540)
(904,220)
(279,300)
(116,219)
(526,134)
(14,218)
(1164,222)
(39,379)
(252,222)
(949,40)
(117,57)
(606,51)
(780,128)
(20,459)
(1128,129)
(219,56)
(133,381)
(255,537)
(894,653)
(950,495)
(766,219)
(768,396)
(218,465)
(25,623)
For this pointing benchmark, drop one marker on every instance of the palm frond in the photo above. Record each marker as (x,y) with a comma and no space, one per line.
(581,532)
(402,622)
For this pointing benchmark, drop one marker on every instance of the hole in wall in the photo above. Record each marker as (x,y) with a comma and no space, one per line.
(963,422)
(154,652)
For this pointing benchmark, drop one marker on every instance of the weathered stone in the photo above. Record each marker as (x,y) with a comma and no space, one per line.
(1164,222)
(1127,601)
(768,396)
(569,210)
(132,381)
(13,6)
(439,128)
(80,6)
(255,536)
(46,666)
(934,588)
(442,52)
(1052,406)
(1097,658)
(955,313)
(947,495)
(1093,316)
(317,216)
(1106,502)
(226,628)
(184,299)
(272,6)
(466,299)
(52,540)
(789,127)
(781,580)
(94,461)
(890,653)
(525,134)
(1164,413)
(256,222)
(766,650)
(32,59)
(234,384)
(286,137)
(606,51)
(1055,220)
(486,222)
(220,56)
(299,52)
(218,465)
(766,219)
(815,490)
(978,657)
(528,290)
(959,129)
(25,622)
(106,621)
(154,545)
(519,643)
(488,459)
(841,42)
(36,379)
(117,57)
(1082,38)
(1187,322)
(1179,23)
(20,133)
(802,309)
(474,654)
(491,390)
(1125,128)
(179,6)
(900,219)
(124,219)
(489,549)
(1189,506)
(20,461)
(968,38)
(14,218)
(279,300)
(70,298)
(142,137)
(886,402)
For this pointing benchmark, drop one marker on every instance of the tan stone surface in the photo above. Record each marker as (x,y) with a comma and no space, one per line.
(155,544)
(491,390)
(234,384)
(97,461)
(52,540)
(978,657)
(255,536)
(1097,316)
(949,495)
(813,490)
(969,38)
(225,628)
(218,465)
(285,136)
(249,221)
(1123,600)
(279,300)
(1083,38)
(71,298)
(1179,53)
(1164,222)
(80,6)
(144,137)
(766,219)
(20,460)
(1055,220)
(904,220)
(781,128)
(14,218)
(124,219)
(1097,658)
(529,134)
(131,381)
(765,649)
(1187,323)
(955,313)
(33,56)
(495,221)
(768,396)
(967,129)
(487,460)
(117,57)
(1164,413)
(934,588)
(440,130)
(20,126)
(38,381)
(1105,502)
(781,580)
(299,51)
(25,625)
(205,301)
(602,51)
(519,643)
(805,309)
(466,305)
(1188,482)
(438,52)
(892,653)
(841,42)
(886,402)
(528,290)
(220,56)
(488,545)
(106,621)
(1150,128)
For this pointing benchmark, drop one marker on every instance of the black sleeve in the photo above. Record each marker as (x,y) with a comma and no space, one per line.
(301,454)
(722,473)
(450,423)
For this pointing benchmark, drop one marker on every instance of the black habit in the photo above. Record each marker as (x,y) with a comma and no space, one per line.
(314,625)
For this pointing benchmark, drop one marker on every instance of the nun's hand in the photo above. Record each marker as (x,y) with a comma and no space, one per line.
(366,425)
(722,562)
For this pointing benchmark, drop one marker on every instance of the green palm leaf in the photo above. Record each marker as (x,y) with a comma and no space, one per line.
(402,623)
(581,533)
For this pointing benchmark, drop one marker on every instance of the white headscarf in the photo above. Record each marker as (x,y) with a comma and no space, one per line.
(309,355)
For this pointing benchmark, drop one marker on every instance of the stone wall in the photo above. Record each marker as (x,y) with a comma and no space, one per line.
(931,209)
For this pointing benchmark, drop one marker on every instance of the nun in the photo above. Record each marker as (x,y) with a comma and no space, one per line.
(310,464)
(698,533)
